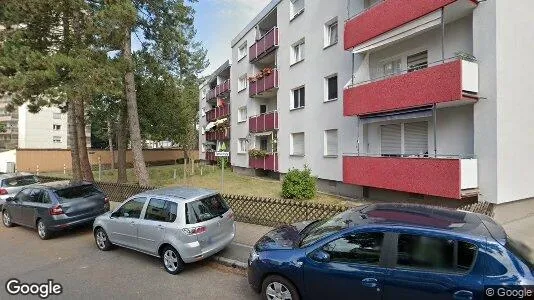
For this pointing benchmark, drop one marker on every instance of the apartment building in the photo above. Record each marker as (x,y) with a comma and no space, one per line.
(9,136)
(214,114)
(390,99)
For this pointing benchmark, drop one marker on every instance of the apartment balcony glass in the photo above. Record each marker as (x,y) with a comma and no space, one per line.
(262,87)
(268,163)
(263,122)
(265,45)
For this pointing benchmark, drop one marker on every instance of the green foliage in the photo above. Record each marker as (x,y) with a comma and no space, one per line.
(223,160)
(299,184)
(255,153)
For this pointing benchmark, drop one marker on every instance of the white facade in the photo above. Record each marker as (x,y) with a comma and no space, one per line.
(46,129)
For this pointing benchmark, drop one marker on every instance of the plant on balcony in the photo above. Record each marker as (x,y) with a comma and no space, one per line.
(299,184)
(465,56)
(256,153)
(266,71)
(252,79)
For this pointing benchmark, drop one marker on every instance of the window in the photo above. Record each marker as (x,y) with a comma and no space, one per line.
(331,88)
(434,254)
(263,109)
(19,181)
(331,33)
(417,61)
(298,98)
(330,142)
(242,114)
(205,209)
(56,127)
(391,139)
(131,209)
(392,67)
(296,7)
(297,144)
(404,139)
(263,144)
(297,52)
(161,210)
(361,248)
(77,192)
(56,139)
(242,83)
(242,146)
(242,51)
(57,116)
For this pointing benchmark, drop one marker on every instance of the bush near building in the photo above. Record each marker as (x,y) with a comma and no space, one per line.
(299,184)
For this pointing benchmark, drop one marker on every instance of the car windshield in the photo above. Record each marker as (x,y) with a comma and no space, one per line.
(326,227)
(76,192)
(20,181)
(521,250)
(205,209)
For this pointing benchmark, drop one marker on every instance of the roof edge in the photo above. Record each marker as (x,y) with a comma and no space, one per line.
(265,11)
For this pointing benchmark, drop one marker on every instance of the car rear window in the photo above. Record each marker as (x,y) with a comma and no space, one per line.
(205,209)
(521,251)
(76,192)
(20,181)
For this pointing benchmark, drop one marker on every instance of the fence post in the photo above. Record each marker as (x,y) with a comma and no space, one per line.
(184,166)
(37,171)
(192,166)
(201,166)
(64,169)
(99,168)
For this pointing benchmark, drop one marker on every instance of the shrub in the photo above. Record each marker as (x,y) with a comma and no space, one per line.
(299,184)
(220,162)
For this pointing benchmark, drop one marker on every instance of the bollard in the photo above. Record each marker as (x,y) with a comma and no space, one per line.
(37,170)
(64,169)
(184,166)
(174,175)
(201,165)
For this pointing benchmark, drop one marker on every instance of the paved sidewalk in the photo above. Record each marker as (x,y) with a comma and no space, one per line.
(522,231)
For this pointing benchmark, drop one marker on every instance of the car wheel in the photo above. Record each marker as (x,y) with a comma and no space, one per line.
(278,288)
(42,231)
(102,240)
(172,262)
(6,219)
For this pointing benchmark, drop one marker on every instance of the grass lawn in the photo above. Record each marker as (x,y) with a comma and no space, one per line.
(211,179)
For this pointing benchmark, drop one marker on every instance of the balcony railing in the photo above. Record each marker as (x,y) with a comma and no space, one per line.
(210,156)
(266,83)
(268,163)
(263,122)
(218,113)
(264,45)
(218,134)
(448,177)
(444,81)
(219,90)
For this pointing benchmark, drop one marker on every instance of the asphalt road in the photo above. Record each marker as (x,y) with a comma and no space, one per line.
(73,260)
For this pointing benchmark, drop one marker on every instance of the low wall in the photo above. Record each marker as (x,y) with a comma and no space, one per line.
(53,160)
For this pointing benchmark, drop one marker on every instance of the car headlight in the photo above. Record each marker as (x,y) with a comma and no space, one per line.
(253,255)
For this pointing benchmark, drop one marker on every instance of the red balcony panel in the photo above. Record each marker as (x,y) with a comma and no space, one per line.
(269,163)
(219,112)
(387,16)
(427,176)
(264,84)
(432,85)
(264,45)
(264,122)
(210,156)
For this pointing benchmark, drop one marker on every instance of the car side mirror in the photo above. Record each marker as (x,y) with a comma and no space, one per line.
(10,199)
(320,256)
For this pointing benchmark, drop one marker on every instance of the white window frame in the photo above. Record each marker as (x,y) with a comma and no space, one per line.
(292,98)
(203,130)
(325,143)
(292,141)
(240,116)
(242,51)
(295,13)
(326,88)
(57,139)
(56,127)
(242,83)
(242,146)
(328,33)
(294,58)
(56,116)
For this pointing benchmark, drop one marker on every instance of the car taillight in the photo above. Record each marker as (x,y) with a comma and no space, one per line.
(194,230)
(106,200)
(231,216)
(56,210)
(3,192)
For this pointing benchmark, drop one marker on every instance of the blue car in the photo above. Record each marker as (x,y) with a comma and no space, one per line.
(389,252)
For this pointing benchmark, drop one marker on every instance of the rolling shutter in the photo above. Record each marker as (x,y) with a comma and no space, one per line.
(390,139)
(331,140)
(416,138)
(417,61)
(298,143)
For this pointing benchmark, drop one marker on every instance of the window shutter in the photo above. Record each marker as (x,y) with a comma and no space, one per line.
(391,139)
(418,61)
(298,143)
(331,142)
(416,138)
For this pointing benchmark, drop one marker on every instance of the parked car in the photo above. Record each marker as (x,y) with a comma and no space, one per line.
(55,206)
(12,183)
(387,252)
(179,225)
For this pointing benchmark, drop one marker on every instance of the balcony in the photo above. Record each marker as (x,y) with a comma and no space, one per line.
(265,45)
(210,156)
(222,134)
(219,91)
(453,178)
(218,113)
(442,82)
(392,20)
(268,163)
(265,86)
(263,122)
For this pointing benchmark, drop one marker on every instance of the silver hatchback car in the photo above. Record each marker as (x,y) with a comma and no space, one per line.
(179,225)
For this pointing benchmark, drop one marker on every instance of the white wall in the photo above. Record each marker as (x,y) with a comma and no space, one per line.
(7,157)
(36,130)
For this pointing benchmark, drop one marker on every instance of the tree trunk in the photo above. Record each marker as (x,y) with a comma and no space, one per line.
(72,137)
(133,117)
(87,173)
(110,142)
(122,129)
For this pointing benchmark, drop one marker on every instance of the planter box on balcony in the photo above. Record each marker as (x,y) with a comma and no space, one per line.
(265,84)
(268,163)
(427,176)
(264,45)
(451,81)
(264,122)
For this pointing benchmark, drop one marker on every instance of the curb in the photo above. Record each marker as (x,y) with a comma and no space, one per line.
(230,262)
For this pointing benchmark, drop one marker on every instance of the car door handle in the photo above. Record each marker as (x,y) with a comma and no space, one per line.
(132,222)
(463,295)
(160,227)
(370,282)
